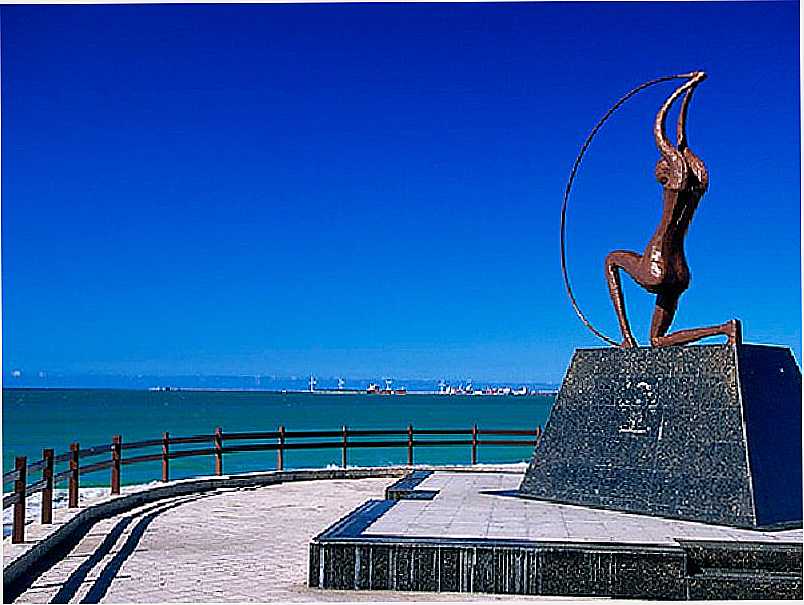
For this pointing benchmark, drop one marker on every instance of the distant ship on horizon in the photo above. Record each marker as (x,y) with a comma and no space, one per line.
(447,389)
(375,389)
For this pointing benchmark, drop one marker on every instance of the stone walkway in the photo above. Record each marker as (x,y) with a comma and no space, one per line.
(229,545)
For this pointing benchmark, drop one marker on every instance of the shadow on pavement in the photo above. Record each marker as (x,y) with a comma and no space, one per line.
(69,588)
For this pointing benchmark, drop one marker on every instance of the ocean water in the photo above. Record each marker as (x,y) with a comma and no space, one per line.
(38,418)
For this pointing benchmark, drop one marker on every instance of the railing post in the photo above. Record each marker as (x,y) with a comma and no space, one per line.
(47,492)
(117,451)
(165,456)
(280,453)
(72,500)
(474,444)
(18,529)
(538,432)
(218,451)
(343,448)
(410,445)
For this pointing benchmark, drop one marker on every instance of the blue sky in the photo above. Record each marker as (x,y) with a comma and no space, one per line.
(375,189)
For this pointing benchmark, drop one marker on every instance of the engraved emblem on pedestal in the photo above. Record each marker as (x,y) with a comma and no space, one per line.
(636,406)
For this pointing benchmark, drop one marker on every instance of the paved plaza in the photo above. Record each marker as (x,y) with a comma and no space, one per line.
(252,544)
(229,545)
(484,505)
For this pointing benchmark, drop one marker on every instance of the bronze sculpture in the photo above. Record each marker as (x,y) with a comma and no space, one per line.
(662,268)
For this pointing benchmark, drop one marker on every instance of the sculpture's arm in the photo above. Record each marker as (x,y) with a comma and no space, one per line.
(666,148)
(681,127)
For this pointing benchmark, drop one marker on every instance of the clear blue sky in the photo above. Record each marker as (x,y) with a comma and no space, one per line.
(375,189)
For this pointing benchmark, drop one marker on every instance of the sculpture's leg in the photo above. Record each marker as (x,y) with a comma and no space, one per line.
(629,262)
(663,314)
(666,305)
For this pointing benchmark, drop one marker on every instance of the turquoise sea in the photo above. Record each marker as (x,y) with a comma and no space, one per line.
(38,418)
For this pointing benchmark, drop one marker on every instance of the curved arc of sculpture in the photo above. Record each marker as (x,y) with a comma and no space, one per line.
(670,153)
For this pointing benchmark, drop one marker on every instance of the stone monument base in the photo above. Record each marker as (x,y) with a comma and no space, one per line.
(709,433)
(470,532)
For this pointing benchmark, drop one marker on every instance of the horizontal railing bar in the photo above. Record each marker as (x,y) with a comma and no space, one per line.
(143,458)
(507,432)
(95,450)
(252,447)
(59,477)
(11,476)
(257,447)
(192,439)
(139,444)
(91,468)
(36,466)
(377,432)
(506,442)
(264,435)
(442,442)
(287,446)
(10,500)
(61,458)
(442,431)
(313,434)
(36,487)
(375,444)
(185,453)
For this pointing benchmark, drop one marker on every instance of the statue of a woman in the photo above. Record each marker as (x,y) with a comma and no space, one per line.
(662,268)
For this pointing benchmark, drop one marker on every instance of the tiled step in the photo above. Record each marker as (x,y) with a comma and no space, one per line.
(717,570)
(742,556)
(405,488)
(729,585)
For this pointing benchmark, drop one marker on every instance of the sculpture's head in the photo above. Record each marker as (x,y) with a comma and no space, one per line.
(691,176)
(663,172)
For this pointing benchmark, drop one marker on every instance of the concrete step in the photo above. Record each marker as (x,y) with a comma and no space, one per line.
(743,585)
(751,557)
(743,570)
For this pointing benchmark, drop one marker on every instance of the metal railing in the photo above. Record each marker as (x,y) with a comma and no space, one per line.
(281,441)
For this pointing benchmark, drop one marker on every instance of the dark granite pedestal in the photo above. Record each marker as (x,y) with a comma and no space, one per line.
(449,531)
(707,433)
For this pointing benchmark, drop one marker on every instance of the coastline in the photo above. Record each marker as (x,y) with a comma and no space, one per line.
(531,393)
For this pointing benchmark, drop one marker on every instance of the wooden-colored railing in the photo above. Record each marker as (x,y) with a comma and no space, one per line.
(338,439)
